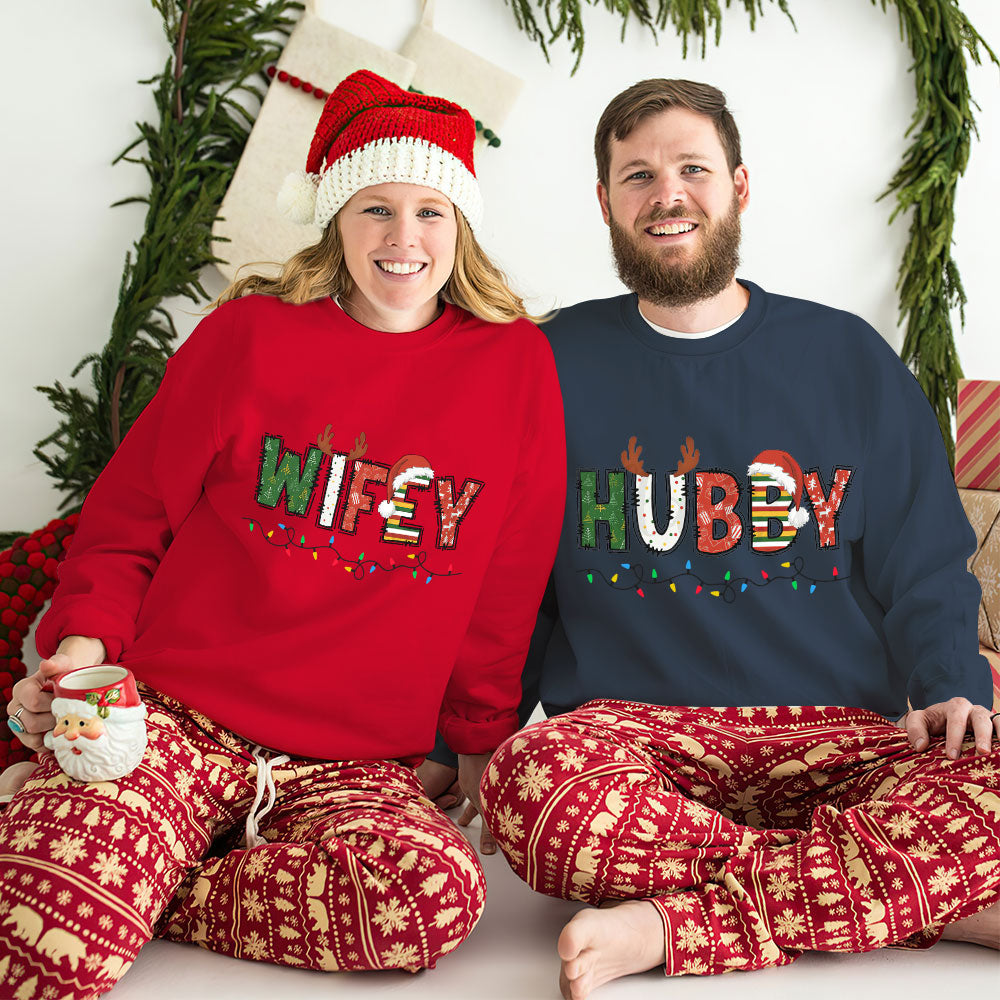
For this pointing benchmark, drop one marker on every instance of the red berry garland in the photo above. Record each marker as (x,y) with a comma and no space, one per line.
(27,579)
(283,76)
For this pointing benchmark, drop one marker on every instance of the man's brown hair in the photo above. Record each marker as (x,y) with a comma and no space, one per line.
(650,97)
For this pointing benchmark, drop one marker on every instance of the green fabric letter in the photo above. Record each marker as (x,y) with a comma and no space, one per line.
(612,513)
(284,472)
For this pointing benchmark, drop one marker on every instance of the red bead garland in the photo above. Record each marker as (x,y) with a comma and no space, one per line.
(27,580)
(283,76)
(318,92)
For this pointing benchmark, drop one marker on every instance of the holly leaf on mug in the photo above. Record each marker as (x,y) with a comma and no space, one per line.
(112,696)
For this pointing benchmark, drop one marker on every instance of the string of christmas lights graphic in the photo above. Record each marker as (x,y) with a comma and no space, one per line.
(728,588)
(358,565)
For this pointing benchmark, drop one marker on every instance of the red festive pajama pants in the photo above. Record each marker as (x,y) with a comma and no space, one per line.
(360,870)
(758,833)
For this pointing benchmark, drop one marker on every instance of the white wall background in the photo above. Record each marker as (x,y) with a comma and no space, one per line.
(822,113)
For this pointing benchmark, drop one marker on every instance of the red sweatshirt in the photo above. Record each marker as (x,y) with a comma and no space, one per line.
(320,535)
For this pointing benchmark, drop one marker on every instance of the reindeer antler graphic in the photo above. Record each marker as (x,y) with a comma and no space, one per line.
(324,441)
(689,457)
(631,460)
(360,447)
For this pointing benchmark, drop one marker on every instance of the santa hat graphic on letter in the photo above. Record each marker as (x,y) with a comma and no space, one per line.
(409,469)
(785,471)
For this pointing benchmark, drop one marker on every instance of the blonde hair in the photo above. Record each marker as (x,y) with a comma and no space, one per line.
(476,284)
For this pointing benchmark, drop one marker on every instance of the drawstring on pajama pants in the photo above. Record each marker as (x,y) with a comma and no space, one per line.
(265,779)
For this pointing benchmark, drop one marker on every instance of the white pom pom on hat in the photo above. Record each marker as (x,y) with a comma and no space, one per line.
(798,518)
(297,197)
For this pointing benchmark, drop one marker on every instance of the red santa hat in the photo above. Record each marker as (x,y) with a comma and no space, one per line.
(124,711)
(373,132)
(785,471)
(409,467)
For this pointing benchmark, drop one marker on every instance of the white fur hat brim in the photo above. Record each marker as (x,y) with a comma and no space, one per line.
(85,710)
(776,472)
(404,160)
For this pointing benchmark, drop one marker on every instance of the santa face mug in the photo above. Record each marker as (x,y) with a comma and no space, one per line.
(100,730)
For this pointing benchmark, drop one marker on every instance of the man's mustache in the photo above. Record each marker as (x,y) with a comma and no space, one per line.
(677,212)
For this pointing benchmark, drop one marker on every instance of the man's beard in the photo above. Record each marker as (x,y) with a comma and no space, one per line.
(676,276)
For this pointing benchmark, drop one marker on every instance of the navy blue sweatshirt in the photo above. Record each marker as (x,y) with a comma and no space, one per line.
(810,550)
(788,534)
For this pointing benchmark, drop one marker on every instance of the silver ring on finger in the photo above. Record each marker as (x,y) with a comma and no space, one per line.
(14,722)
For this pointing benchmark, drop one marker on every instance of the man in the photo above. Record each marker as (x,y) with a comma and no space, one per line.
(761,513)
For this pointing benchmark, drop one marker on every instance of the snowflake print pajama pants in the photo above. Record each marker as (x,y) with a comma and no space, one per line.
(360,871)
(758,833)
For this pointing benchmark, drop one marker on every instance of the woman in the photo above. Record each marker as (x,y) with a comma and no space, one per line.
(326,536)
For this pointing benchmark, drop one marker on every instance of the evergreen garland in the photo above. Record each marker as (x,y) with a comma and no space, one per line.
(219,52)
(689,17)
(940,38)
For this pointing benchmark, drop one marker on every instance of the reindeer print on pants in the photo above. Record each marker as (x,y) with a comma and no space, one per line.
(758,833)
(357,869)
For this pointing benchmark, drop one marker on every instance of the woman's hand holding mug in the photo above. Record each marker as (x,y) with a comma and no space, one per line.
(29,710)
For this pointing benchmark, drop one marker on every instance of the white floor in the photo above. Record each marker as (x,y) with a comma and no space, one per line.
(511,956)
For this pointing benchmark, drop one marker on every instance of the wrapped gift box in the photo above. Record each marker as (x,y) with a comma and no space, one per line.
(993,658)
(982,507)
(977,440)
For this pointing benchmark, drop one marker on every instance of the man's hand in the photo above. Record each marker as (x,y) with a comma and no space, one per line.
(440,784)
(471,768)
(953,718)
(34,703)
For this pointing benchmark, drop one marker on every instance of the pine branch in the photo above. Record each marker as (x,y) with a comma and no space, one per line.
(219,51)
(940,37)
(689,17)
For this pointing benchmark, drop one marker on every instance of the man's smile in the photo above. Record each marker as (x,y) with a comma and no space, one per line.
(671,228)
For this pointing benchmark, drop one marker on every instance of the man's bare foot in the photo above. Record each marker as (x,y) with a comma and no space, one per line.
(597,946)
(981,928)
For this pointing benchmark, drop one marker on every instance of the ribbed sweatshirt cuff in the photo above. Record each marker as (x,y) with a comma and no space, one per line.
(929,686)
(76,619)
(467,737)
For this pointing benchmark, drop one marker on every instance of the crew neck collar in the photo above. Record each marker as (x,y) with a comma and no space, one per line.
(680,334)
(724,340)
(426,336)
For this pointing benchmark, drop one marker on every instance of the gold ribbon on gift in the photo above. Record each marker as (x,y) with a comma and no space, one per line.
(982,507)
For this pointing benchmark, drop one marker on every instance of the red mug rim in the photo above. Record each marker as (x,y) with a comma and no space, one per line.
(118,689)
